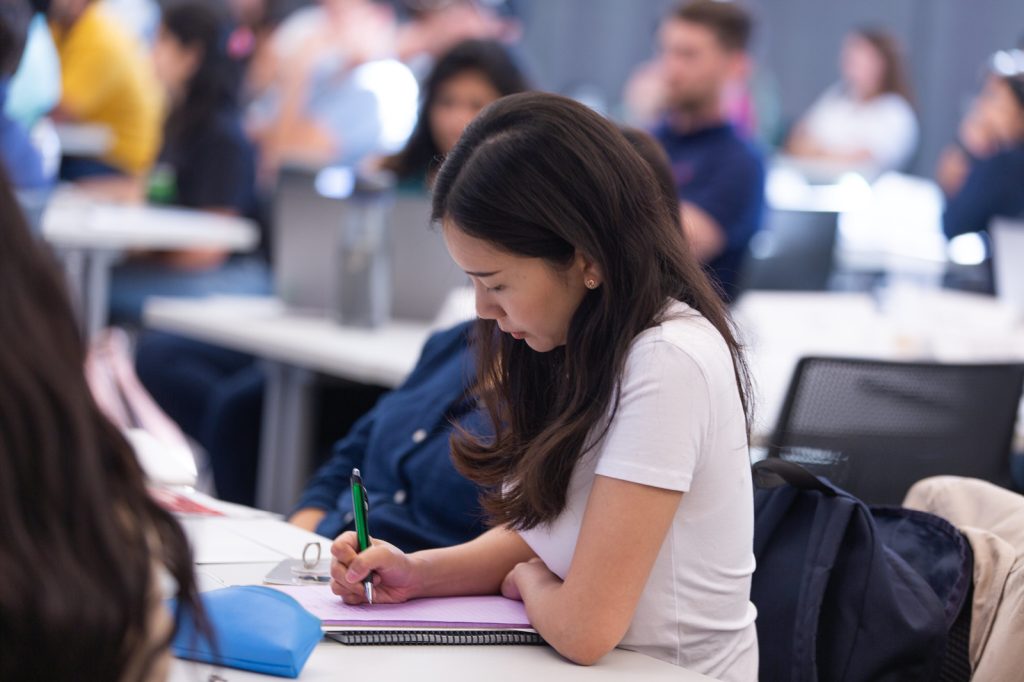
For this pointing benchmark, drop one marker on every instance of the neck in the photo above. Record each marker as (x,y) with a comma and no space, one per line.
(691,119)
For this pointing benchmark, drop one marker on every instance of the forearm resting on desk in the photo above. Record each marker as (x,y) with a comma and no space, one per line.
(307,519)
(475,567)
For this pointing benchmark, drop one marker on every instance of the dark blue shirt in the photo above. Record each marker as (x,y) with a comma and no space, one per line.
(994,187)
(21,160)
(215,167)
(723,174)
(417,499)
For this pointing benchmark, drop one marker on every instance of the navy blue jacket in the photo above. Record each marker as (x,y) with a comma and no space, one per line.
(417,499)
(723,174)
(994,187)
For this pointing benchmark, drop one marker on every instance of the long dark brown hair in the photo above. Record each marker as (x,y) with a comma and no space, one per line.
(895,79)
(491,60)
(79,535)
(542,176)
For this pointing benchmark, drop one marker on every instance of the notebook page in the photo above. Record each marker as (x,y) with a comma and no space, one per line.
(462,612)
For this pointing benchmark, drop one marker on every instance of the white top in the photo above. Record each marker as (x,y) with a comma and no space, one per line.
(680,426)
(884,126)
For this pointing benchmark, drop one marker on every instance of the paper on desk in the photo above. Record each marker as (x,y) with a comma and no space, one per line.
(465,612)
(243,541)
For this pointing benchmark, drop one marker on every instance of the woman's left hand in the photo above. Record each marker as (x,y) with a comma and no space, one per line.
(533,569)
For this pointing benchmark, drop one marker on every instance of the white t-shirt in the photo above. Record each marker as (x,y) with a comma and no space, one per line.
(679,426)
(884,126)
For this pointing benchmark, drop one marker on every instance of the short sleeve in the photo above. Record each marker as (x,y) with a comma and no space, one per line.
(663,420)
(893,136)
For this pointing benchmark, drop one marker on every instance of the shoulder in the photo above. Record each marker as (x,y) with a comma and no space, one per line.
(740,153)
(683,347)
(444,343)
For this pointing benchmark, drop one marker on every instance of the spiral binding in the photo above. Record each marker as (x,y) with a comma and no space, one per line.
(361,637)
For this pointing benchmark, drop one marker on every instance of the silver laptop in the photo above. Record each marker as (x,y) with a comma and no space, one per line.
(1008,261)
(423,274)
(313,208)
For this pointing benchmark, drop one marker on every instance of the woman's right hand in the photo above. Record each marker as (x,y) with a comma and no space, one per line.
(395,576)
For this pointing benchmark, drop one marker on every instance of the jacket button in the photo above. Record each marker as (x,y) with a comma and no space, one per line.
(348,518)
(399,497)
(419,435)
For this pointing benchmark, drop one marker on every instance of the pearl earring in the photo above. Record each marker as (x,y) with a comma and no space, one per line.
(591,283)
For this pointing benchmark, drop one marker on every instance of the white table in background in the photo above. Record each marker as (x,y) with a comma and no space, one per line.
(83,139)
(90,236)
(294,348)
(333,661)
(905,324)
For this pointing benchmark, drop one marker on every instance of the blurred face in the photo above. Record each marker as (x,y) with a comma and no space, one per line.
(862,67)
(1000,111)
(695,66)
(174,62)
(457,102)
(528,297)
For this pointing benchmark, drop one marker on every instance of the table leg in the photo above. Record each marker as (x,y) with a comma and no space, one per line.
(96,292)
(285,438)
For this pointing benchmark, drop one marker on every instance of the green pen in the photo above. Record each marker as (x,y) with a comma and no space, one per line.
(361,511)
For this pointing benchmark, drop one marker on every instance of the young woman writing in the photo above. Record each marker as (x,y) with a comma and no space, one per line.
(618,479)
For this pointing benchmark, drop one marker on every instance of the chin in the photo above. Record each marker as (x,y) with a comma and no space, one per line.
(539,345)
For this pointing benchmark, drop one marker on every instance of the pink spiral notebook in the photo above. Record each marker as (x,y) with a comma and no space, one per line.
(444,620)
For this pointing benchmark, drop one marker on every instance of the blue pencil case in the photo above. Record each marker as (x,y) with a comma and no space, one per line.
(255,628)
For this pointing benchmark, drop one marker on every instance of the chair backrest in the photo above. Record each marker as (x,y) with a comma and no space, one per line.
(1007,255)
(794,251)
(875,428)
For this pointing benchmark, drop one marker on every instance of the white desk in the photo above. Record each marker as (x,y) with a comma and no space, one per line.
(333,661)
(90,236)
(910,324)
(83,139)
(890,224)
(294,346)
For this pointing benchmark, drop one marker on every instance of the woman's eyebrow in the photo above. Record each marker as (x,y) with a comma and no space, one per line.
(482,274)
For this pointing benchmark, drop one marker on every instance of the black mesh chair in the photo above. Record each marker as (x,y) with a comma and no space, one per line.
(874,428)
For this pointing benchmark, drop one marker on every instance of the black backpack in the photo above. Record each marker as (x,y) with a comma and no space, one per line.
(846,593)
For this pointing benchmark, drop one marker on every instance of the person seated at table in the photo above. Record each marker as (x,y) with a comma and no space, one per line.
(464,80)
(20,158)
(215,394)
(984,174)
(719,175)
(88,556)
(402,445)
(108,81)
(867,119)
(206,163)
(615,393)
(336,95)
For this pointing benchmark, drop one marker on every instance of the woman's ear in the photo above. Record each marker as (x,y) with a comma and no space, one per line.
(589,270)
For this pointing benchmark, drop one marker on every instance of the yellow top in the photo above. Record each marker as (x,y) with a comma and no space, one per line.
(108,79)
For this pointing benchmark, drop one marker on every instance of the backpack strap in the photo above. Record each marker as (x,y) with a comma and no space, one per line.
(774,471)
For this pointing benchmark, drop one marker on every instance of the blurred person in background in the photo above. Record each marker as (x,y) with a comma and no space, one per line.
(719,175)
(336,94)
(464,80)
(107,80)
(430,28)
(206,163)
(21,160)
(867,119)
(983,176)
(216,395)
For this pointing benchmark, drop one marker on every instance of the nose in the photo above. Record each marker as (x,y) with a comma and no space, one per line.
(486,308)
